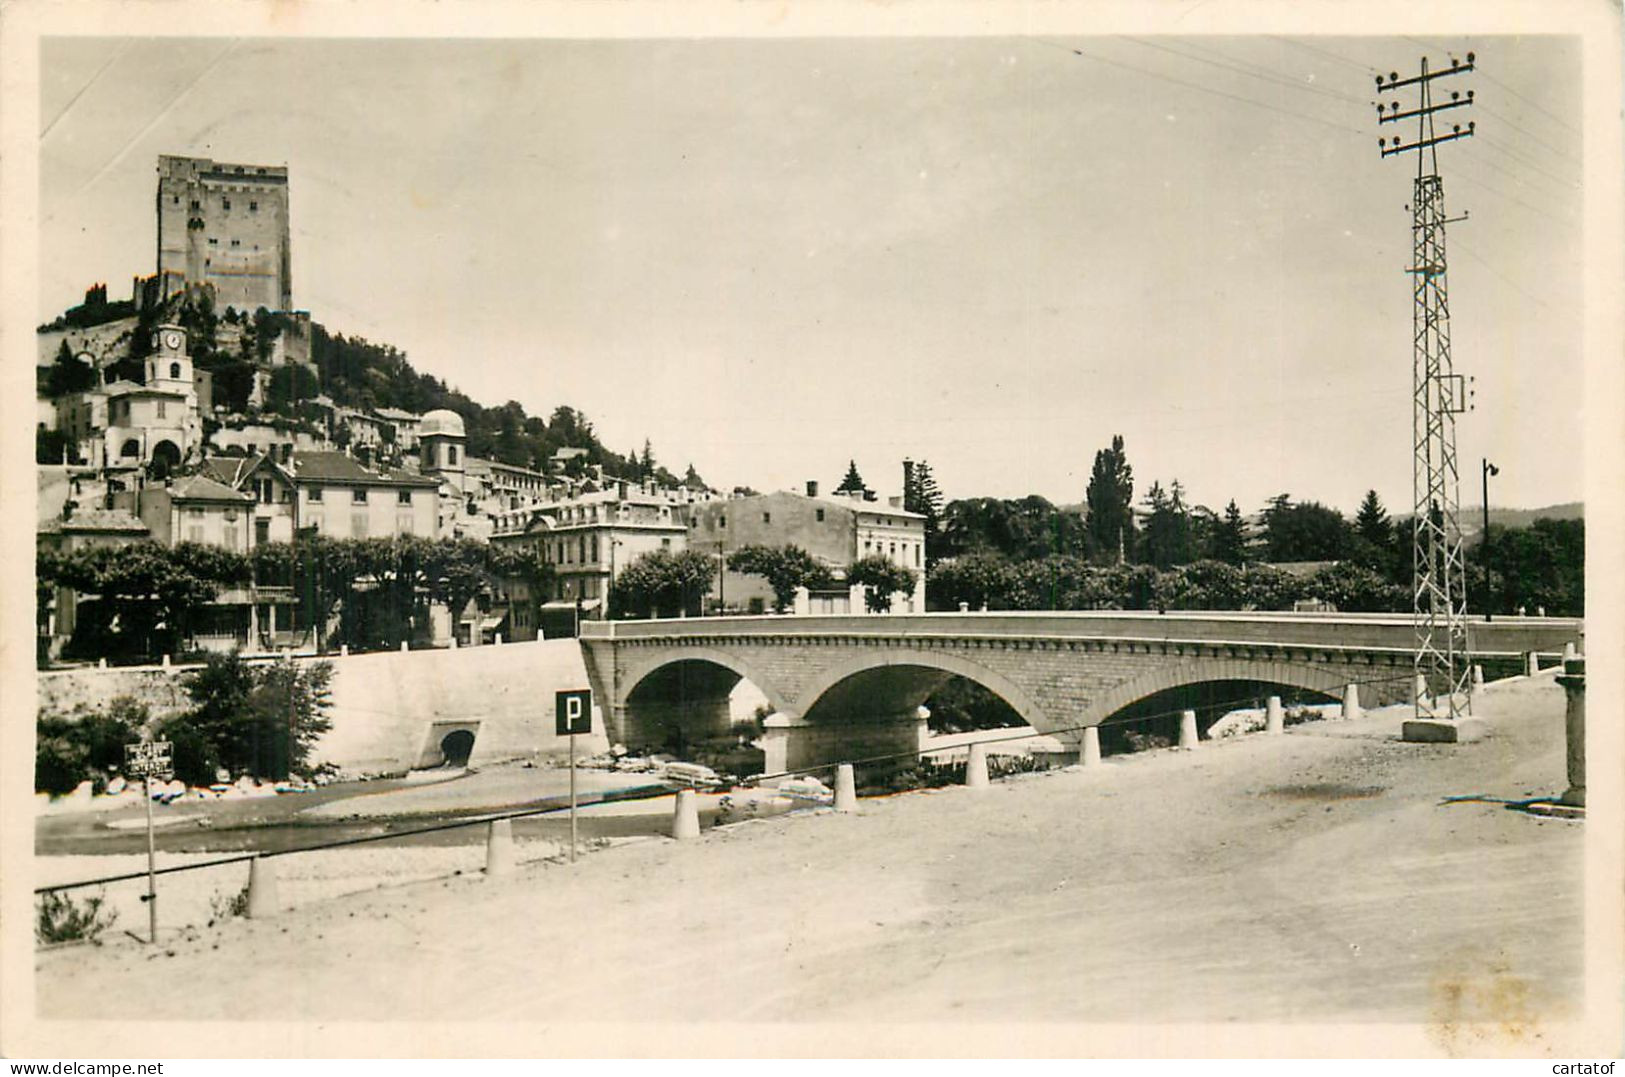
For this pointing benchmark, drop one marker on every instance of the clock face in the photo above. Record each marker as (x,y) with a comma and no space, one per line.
(172,341)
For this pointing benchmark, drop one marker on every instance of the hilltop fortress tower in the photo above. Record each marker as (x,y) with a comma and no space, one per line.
(225,225)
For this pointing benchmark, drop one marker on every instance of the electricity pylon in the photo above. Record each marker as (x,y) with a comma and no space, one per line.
(1439,585)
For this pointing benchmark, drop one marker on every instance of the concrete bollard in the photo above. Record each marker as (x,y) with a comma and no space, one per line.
(846,788)
(452,643)
(685,818)
(101,663)
(1274,719)
(499,852)
(1478,676)
(1187,730)
(1570,651)
(1531,664)
(262,899)
(498,639)
(1351,702)
(1419,690)
(404,647)
(344,650)
(1573,681)
(976,767)
(1090,755)
(166,661)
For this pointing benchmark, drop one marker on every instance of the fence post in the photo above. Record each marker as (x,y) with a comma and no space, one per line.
(262,899)
(685,819)
(1090,756)
(976,767)
(1187,730)
(499,857)
(1274,720)
(846,789)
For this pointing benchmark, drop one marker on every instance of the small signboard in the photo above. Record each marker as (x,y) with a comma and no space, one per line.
(573,711)
(150,759)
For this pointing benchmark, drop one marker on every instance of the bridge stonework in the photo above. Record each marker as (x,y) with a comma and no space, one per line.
(842,687)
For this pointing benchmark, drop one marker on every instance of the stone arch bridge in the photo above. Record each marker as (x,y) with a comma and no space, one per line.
(851,686)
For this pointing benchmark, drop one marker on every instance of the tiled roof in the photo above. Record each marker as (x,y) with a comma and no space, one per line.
(95,520)
(336,467)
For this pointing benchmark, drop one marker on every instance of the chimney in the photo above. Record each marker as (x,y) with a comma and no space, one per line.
(895,502)
(812,487)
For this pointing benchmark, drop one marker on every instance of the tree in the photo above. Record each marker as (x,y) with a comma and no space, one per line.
(290,383)
(976,580)
(54,447)
(880,577)
(69,373)
(260,722)
(661,583)
(785,568)
(853,483)
(1308,531)
(692,480)
(646,462)
(1166,540)
(1230,537)
(1109,499)
(921,495)
(1374,544)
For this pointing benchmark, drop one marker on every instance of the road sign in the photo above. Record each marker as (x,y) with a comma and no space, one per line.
(573,711)
(150,759)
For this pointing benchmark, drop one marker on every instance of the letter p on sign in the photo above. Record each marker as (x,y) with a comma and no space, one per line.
(573,711)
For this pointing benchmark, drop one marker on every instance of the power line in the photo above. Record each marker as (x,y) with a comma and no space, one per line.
(123,47)
(1200,88)
(1296,43)
(1560,121)
(1241,69)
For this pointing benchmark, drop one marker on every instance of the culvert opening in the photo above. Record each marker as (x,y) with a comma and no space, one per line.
(457,746)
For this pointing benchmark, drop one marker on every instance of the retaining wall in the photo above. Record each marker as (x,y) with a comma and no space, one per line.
(386,705)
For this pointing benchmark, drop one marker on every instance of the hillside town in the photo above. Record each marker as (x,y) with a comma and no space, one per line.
(147,444)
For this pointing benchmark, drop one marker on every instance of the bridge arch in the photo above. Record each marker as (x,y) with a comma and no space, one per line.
(712,655)
(944,662)
(1309,677)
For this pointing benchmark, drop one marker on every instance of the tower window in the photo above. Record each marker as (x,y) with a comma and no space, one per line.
(451,456)
(174,370)
(213,242)
(253,207)
(225,203)
(236,243)
(194,205)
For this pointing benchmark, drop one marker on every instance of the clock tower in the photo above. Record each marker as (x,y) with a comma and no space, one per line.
(168,366)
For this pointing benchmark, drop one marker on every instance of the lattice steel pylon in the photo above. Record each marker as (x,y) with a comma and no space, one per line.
(1439,584)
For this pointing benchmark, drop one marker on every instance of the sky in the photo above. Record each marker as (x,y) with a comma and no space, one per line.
(769,257)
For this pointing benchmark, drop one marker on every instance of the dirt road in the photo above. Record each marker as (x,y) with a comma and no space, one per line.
(1311,877)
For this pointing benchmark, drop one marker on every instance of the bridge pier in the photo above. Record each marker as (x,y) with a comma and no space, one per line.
(790,742)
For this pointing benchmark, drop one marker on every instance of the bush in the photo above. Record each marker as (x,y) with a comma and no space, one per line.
(60,918)
(223,907)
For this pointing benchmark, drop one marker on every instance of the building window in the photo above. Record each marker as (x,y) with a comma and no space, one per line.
(195,206)
(358,525)
(312,494)
(767,517)
(722,521)
(225,203)
(916,555)
(665,544)
(595,549)
(403,497)
(175,370)
(160,411)
(213,242)
(358,496)
(253,207)
(819,514)
(262,532)
(451,456)
(236,243)
(582,543)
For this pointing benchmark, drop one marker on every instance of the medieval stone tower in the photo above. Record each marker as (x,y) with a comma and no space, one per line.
(225,225)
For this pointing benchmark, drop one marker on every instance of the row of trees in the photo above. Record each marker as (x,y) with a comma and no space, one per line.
(1067,582)
(150,595)
(666,584)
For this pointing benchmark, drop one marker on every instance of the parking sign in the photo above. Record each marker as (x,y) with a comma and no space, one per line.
(573,711)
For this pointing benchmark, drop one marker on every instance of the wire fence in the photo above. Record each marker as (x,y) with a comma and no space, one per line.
(672,787)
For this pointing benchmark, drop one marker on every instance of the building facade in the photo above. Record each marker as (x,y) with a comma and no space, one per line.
(835,530)
(226,226)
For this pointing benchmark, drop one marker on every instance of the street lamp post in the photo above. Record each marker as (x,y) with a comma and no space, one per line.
(1484,544)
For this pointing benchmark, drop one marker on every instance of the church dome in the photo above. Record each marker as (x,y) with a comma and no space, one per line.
(441,421)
